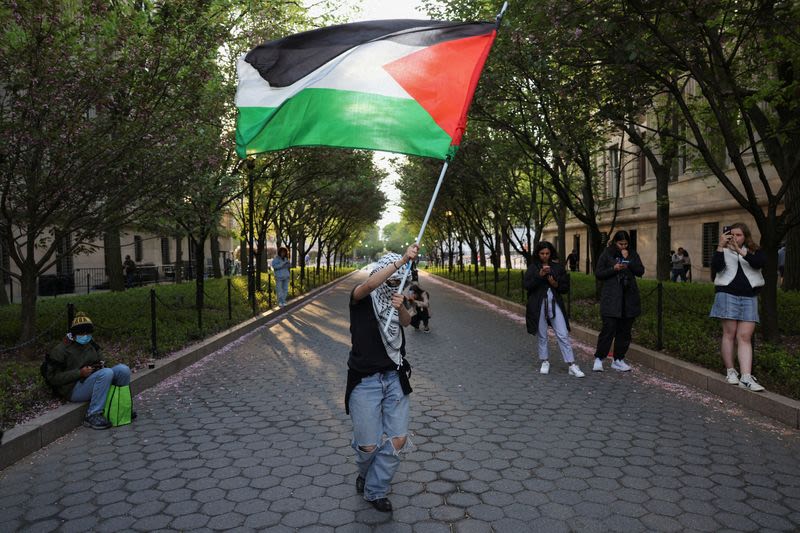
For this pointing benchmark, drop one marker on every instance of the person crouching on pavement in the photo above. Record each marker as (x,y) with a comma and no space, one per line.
(76,371)
(377,377)
(545,282)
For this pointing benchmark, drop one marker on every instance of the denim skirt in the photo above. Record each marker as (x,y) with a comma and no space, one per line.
(732,307)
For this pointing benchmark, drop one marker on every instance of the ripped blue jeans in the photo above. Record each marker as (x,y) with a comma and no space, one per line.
(379,411)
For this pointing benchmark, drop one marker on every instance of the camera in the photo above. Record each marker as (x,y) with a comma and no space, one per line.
(726,230)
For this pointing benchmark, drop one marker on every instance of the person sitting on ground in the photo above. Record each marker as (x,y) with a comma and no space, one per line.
(546,280)
(77,373)
(422,303)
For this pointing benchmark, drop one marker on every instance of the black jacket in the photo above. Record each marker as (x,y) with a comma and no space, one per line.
(619,288)
(537,291)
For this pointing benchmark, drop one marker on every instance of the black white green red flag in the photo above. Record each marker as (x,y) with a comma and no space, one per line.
(393,85)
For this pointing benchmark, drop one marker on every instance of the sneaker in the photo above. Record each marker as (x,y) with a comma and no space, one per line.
(96,421)
(426,329)
(545,367)
(620,366)
(598,365)
(732,377)
(382,504)
(749,382)
(575,370)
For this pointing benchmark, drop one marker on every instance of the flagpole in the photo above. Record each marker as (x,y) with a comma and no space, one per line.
(419,237)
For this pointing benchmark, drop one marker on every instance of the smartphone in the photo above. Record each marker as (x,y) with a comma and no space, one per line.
(726,230)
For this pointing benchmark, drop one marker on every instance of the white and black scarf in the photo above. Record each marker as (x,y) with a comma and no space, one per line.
(382,305)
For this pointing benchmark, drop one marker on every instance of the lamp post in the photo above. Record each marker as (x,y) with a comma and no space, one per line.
(449,216)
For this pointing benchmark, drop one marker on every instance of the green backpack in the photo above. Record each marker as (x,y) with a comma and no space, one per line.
(119,405)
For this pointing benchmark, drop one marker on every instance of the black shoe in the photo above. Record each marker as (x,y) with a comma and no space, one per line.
(96,421)
(382,504)
(134,415)
(360,485)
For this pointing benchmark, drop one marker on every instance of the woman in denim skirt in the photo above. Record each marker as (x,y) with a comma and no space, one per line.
(737,263)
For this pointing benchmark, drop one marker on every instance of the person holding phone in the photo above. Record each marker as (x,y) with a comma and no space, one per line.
(737,263)
(545,281)
(618,267)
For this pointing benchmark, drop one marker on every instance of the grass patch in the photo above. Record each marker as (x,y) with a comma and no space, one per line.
(688,333)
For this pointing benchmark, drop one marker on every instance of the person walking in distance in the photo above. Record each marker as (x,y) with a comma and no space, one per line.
(572,260)
(617,268)
(281,264)
(422,304)
(737,263)
(545,281)
(378,377)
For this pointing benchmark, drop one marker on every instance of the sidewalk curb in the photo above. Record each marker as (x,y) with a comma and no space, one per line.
(775,406)
(24,439)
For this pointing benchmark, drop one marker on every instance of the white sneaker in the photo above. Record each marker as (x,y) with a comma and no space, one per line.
(545,367)
(749,382)
(598,365)
(620,365)
(732,377)
(574,370)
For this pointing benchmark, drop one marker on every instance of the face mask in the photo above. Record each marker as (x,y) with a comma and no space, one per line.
(83,339)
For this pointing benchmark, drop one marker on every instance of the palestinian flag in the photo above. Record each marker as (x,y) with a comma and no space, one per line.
(393,85)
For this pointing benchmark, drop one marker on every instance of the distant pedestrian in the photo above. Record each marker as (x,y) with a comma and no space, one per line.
(422,305)
(572,260)
(687,264)
(281,264)
(618,267)
(546,280)
(737,262)
(129,269)
(377,377)
(678,270)
(781,263)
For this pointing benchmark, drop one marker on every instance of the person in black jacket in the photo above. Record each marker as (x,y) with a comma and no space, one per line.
(618,268)
(545,282)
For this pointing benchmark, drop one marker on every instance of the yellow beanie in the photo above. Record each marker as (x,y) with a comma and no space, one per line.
(81,323)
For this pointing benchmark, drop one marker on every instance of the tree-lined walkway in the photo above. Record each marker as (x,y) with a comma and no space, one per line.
(255,437)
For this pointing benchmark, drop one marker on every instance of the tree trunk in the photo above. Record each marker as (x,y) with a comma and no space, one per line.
(178,259)
(215,267)
(199,283)
(769,293)
(261,250)
(560,213)
(242,255)
(663,233)
(791,265)
(29,296)
(507,245)
(112,250)
(3,294)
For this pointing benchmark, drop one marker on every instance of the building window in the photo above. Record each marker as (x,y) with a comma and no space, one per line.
(64,254)
(614,184)
(632,243)
(642,168)
(710,241)
(165,260)
(137,249)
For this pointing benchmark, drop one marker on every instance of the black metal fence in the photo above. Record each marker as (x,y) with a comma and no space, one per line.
(86,280)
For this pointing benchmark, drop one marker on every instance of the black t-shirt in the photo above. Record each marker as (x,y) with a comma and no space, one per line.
(368,354)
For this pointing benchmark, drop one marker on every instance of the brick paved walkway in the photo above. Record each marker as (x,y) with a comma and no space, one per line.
(255,438)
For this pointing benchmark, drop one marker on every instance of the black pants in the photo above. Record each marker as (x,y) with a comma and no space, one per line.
(617,331)
(421,316)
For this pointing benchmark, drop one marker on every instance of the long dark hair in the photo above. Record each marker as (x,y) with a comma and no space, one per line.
(621,235)
(541,245)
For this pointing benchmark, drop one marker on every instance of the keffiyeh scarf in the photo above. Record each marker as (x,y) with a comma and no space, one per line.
(382,305)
